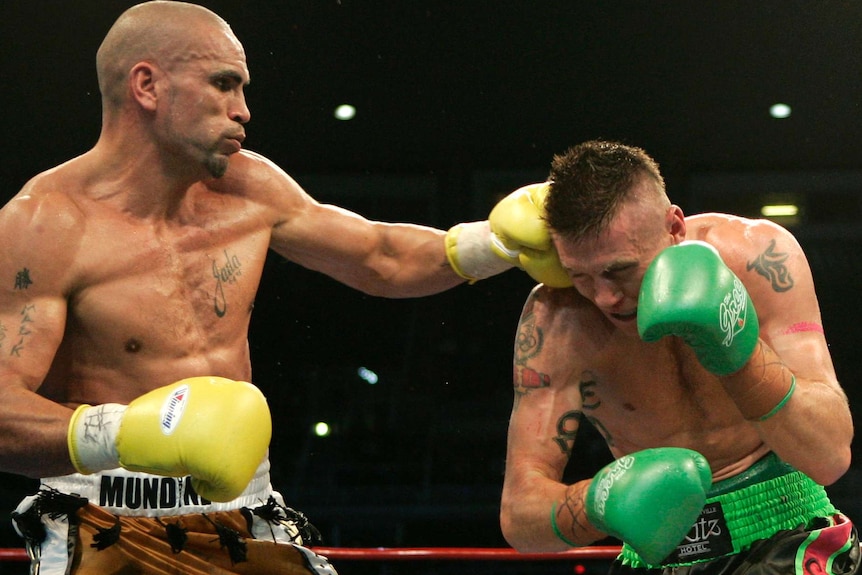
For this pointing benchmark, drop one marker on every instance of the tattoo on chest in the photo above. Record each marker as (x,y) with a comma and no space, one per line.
(224,272)
(590,402)
(770,264)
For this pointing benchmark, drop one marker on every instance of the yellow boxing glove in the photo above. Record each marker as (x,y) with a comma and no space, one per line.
(214,429)
(515,234)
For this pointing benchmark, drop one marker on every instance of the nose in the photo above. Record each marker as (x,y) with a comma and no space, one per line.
(607,294)
(240,112)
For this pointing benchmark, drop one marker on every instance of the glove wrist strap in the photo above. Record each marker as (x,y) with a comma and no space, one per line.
(92,437)
(470,252)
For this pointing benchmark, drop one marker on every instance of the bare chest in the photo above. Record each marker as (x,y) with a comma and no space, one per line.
(164,294)
(640,395)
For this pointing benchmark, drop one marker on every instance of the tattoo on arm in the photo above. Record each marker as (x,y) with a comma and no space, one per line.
(567,430)
(575,507)
(770,264)
(22,279)
(24,329)
(529,343)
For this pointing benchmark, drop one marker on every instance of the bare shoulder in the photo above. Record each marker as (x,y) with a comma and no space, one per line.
(257,178)
(557,327)
(751,245)
(43,213)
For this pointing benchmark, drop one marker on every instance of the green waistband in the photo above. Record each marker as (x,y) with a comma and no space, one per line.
(768,497)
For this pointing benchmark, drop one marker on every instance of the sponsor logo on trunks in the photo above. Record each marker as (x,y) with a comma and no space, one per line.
(708,537)
(148,492)
(172,410)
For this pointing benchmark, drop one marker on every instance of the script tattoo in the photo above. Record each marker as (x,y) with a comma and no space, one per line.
(590,402)
(770,264)
(24,329)
(225,274)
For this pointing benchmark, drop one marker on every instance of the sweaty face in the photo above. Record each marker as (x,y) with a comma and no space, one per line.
(608,269)
(205,109)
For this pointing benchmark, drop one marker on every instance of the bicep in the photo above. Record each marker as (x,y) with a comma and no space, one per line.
(31,329)
(546,413)
(779,280)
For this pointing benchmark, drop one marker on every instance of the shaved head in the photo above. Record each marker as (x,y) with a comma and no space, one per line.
(163,32)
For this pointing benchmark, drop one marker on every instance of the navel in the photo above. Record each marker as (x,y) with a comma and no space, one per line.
(133,345)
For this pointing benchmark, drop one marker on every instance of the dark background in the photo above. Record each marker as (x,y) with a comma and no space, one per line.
(458,103)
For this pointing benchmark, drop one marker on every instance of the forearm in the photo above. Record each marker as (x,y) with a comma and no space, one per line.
(776,400)
(548,519)
(33,435)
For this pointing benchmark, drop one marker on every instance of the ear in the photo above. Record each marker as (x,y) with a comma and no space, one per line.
(142,82)
(675,223)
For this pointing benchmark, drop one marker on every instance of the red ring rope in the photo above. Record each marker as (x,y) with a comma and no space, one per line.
(419,553)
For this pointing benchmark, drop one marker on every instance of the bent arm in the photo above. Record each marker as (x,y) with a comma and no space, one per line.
(813,429)
(32,322)
(546,402)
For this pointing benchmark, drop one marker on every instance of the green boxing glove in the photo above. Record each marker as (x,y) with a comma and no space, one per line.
(650,499)
(689,292)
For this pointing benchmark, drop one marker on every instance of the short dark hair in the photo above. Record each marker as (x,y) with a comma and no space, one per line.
(588,183)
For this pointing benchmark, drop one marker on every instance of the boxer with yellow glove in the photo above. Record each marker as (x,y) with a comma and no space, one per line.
(649,499)
(515,234)
(214,429)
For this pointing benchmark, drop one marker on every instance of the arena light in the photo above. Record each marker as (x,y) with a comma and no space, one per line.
(367,375)
(345,112)
(779,210)
(780,111)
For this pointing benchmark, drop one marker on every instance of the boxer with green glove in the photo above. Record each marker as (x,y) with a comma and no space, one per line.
(214,429)
(515,234)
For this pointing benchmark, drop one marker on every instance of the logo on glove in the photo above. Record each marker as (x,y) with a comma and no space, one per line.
(732,312)
(606,483)
(172,410)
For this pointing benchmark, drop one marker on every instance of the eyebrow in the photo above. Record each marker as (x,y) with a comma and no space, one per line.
(232,75)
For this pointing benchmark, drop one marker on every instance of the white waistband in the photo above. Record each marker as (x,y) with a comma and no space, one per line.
(123,492)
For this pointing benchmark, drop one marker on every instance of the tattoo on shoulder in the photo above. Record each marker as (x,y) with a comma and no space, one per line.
(770,264)
(567,430)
